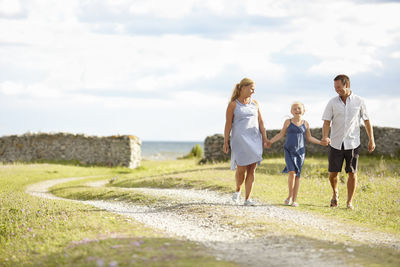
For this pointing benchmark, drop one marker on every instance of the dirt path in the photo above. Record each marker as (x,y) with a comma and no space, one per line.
(251,236)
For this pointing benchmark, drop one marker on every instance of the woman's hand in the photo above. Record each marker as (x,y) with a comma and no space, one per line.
(226,147)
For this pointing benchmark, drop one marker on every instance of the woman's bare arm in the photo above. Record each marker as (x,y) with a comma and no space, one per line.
(261,125)
(228,124)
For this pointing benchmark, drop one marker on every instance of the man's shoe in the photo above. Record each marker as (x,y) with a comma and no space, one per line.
(335,201)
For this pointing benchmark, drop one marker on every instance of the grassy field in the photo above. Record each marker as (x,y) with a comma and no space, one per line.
(35,231)
(377,198)
(40,232)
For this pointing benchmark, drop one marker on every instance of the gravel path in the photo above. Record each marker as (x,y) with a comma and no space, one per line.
(208,217)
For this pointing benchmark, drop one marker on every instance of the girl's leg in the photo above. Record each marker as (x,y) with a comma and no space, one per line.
(240,171)
(296,188)
(291,182)
(250,179)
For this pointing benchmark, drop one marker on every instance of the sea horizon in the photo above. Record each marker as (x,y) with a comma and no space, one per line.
(167,150)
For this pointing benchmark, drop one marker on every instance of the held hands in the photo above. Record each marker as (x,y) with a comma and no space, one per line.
(267,144)
(325,141)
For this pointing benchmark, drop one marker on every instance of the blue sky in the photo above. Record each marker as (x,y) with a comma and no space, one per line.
(165,70)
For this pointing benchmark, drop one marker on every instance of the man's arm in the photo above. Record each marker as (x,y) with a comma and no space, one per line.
(370,133)
(325,130)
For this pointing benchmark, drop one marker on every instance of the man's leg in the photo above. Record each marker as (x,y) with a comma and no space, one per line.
(351,187)
(335,158)
(334,184)
(351,157)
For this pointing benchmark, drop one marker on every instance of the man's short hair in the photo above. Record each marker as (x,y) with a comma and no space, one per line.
(344,79)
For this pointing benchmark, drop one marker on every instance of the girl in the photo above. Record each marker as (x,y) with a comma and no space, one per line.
(297,131)
(248,138)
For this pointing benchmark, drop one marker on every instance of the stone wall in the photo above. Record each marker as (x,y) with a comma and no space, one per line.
(110,151)
(387,144)
(213,149)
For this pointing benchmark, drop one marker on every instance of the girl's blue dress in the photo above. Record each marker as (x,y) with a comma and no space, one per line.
(294,148)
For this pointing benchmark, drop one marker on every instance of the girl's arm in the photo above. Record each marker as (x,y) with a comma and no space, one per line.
(261,125)
(309,137)
(228,125)
(282,133)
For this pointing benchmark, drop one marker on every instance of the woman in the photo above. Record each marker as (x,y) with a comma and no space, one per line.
(243,117)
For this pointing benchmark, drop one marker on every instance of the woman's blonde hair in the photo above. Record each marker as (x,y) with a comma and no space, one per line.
(238,87)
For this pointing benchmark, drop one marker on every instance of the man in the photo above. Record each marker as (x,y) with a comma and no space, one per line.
(345,113)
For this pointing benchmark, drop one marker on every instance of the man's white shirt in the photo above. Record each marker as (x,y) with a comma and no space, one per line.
(345,120)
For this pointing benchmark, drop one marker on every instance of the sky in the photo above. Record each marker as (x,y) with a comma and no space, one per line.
(165,70)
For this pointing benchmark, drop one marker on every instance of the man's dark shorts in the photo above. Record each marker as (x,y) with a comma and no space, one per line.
(336,158)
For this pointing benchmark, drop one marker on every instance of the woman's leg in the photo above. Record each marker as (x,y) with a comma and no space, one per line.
(291,183)
(240,171)
(250,178)
(296,188)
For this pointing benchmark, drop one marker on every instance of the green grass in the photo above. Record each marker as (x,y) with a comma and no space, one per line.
(377,198)
(35,231)
(41,232)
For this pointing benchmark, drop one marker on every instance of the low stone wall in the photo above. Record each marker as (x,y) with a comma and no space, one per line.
(121,150)
(213,149)
(387,144)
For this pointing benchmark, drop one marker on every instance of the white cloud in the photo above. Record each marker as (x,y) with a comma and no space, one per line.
(11,88)
(10,7)
(58,61)
(383,110)
(395,54)
(349,65)
(165,9)
(36,90)
(345,36)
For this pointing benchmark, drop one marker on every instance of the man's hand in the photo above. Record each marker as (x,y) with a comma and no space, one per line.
(325,141)
(371,146)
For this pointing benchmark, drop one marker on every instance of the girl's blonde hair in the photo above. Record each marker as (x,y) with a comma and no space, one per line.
(238,87)
(294,103)
(298,103)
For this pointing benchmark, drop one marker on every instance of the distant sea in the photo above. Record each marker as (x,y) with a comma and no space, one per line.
(166,150)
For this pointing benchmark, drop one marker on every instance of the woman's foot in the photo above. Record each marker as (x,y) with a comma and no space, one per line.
(350,206)
(249,202)
(287,202)
(295,204)
(236,196)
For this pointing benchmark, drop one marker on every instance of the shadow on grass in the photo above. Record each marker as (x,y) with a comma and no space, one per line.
(276,250)
(130,251)
(129,182)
